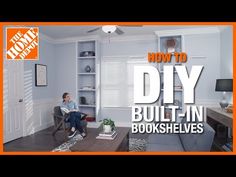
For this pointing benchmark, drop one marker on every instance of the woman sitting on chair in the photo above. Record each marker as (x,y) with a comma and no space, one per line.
(74,115)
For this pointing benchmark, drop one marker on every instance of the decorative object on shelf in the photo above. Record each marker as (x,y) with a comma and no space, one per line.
(171,44)
(177,103)
(87,53)
(224,85)
(87,88)
(87,69)
(83,100)
(108,125)
(40,75)
(168,115)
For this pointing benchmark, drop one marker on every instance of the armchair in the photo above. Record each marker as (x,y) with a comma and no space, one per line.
(60,120)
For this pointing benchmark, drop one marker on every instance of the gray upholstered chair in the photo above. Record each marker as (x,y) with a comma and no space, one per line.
(59,120)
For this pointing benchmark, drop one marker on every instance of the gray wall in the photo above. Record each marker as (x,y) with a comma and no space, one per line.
(61,62)
(46,57)
(128,47)
(204,49)
(226,53)
(206,45)
(65,62)
(214,51)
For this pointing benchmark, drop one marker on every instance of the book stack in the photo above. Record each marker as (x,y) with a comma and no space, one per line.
(107,136)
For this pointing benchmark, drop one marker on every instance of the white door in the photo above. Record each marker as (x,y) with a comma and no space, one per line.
(13,105)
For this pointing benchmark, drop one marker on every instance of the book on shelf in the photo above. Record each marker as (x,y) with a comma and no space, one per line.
(107,134)
(107,137)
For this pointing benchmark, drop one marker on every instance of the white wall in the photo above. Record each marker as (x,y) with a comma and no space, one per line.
(226,55)
(38,115)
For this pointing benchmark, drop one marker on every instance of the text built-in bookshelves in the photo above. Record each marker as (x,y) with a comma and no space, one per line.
(87,90)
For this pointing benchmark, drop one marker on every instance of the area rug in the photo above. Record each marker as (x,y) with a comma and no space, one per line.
(65,147)
(135,144)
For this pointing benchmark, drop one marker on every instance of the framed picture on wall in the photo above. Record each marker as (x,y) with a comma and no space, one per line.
(40,75)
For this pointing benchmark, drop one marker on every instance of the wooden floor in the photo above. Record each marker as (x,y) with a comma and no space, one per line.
(43,141)
(40,141)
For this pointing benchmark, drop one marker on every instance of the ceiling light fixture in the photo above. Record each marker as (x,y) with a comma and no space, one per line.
(109,28)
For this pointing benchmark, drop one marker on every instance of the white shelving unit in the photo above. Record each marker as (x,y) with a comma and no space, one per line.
(88,73)
(178,91)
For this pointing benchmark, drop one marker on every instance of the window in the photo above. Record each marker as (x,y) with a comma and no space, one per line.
(117,80)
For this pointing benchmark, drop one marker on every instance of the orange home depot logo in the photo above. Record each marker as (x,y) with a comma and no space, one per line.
(22,43)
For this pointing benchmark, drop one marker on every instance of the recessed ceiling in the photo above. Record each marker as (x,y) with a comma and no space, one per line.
(60,32)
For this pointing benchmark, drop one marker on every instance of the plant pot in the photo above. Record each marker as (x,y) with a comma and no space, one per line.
(106,128)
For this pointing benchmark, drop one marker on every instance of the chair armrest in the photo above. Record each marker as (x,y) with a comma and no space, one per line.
(58,116)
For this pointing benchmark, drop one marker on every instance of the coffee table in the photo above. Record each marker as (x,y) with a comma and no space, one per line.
(91,144)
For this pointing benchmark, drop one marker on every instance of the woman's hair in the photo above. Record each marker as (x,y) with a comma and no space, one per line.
(64,95)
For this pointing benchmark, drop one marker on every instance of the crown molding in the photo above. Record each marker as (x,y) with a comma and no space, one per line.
(75,39)
(97,37)
(129,38)
(46,38)
(188,31)
(67,40)
(223,28)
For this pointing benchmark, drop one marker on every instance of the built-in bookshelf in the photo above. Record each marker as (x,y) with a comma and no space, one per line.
(171,44)
(87,75)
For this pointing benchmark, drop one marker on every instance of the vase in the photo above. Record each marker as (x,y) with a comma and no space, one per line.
(87,68)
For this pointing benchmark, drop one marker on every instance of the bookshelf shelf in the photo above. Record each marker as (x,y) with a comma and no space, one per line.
(87,73)
(86,90)
(177,90)
(89,57)
(88,106)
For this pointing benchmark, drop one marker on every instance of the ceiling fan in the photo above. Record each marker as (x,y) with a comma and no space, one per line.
(112,28)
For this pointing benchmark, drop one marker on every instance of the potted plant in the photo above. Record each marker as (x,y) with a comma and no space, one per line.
(108,125)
